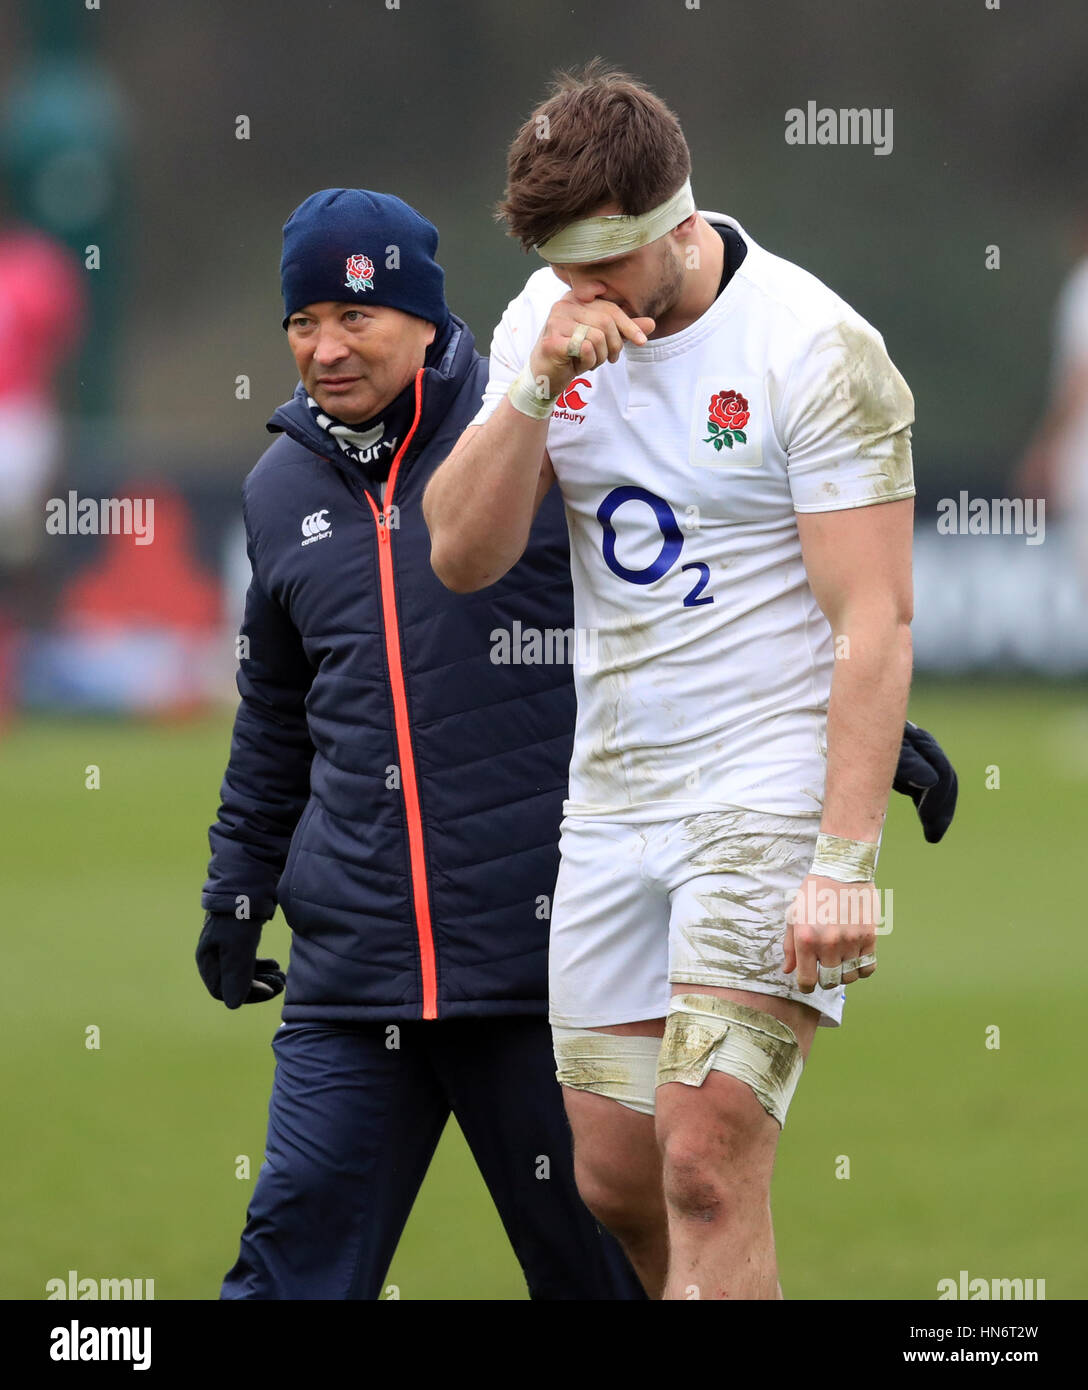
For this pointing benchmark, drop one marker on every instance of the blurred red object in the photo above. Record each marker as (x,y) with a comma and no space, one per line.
(156,585)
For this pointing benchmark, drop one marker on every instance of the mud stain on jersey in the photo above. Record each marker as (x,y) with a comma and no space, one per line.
(621,650)
(604,761)
(626,645)
(868,401)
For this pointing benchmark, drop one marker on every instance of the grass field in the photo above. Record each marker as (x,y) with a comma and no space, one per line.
(120,1161)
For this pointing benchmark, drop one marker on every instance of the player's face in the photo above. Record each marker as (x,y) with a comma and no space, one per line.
(644,283)
(354,359)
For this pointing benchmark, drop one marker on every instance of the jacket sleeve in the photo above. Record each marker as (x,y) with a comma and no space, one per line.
(267,782)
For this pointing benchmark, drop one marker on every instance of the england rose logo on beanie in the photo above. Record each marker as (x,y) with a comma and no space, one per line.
(360,272)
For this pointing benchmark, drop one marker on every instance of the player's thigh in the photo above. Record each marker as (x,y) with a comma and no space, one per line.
(608,968)
(732,876)
(616,1159)
(608,950)
(722,1125)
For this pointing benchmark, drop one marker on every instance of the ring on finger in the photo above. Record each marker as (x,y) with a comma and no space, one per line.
(577,338)
(829,976)
(863,961)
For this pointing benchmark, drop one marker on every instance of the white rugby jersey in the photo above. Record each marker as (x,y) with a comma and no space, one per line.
(706,662)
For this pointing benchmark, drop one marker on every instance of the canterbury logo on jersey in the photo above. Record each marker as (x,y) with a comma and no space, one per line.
(572,400)
(316,526)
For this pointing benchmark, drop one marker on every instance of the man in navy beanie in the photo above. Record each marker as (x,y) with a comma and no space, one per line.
(395,786)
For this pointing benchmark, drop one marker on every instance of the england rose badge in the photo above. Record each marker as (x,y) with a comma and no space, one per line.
(728,412)
(723,431)
(360,272)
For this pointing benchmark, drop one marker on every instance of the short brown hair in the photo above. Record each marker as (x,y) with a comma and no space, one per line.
(600,137)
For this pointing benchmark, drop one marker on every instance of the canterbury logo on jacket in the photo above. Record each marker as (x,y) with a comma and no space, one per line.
(395,791)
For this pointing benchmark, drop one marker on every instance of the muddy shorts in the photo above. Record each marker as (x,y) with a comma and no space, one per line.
(696,901)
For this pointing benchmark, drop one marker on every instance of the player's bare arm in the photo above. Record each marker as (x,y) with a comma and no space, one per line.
(859,568)
(480,504)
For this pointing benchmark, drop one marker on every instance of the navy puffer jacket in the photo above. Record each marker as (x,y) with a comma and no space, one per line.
(390,786)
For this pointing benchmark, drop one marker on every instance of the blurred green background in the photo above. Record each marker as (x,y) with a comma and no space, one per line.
(121,1161)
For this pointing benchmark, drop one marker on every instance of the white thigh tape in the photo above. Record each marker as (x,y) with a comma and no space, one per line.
(622,1067)
(704,1032)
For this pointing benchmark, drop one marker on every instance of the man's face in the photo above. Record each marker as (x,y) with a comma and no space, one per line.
(356,358)
(643,283)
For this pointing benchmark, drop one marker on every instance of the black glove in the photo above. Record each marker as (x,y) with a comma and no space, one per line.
(929,779)
(226,956)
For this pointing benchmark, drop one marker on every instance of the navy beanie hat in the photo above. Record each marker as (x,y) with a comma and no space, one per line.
(349,245)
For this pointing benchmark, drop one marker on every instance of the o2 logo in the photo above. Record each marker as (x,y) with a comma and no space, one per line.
(672,543)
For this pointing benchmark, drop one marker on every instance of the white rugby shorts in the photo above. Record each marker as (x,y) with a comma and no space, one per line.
(699,900)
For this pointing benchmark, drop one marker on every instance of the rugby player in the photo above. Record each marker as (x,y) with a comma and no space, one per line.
(732,445)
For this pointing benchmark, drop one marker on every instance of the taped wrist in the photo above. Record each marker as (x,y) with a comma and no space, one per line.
(524,394)
(846,861)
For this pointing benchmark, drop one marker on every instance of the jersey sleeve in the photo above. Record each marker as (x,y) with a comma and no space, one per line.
(845,417)
(515,335)
(510,348)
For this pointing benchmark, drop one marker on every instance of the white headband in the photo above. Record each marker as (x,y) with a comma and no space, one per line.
(594,238)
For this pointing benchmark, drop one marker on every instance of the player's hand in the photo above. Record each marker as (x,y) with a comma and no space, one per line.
(608,329)
(828,923)
(929,779)
(226,956)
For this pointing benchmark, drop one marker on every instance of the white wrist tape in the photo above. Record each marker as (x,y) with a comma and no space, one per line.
(524,395)
(846,861)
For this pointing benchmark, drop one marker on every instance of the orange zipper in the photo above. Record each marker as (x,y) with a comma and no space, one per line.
(409,785)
